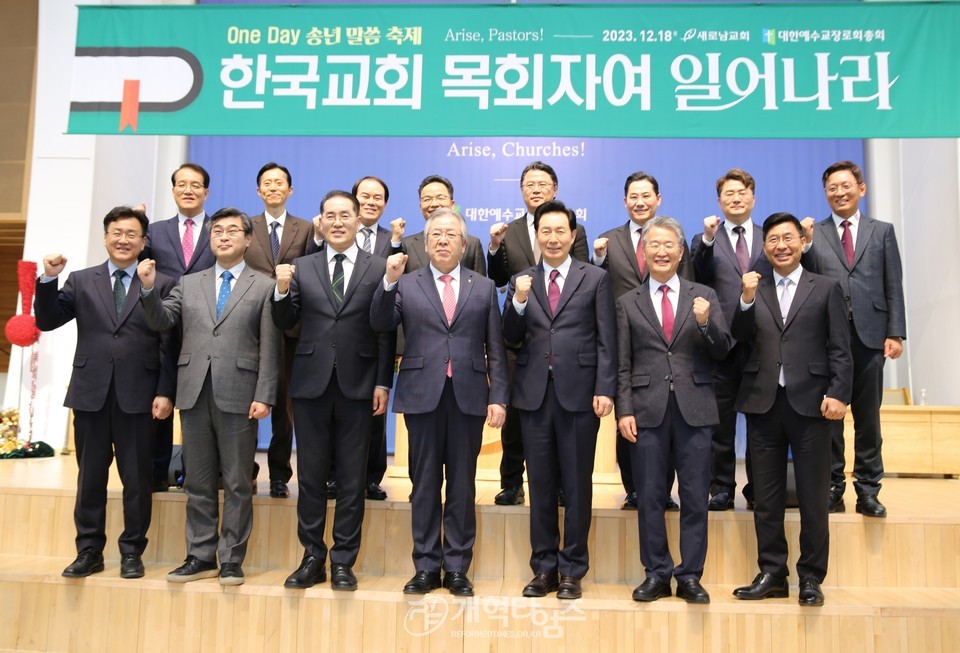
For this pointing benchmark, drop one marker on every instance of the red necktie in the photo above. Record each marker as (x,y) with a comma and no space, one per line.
(666,311)
(847,241)
(449,307)
(187,241)
(743,256)
(553,291)
(641,261)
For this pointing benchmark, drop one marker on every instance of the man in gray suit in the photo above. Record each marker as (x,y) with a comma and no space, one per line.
(452,378)
(862,254)
(227,380)
(669,335)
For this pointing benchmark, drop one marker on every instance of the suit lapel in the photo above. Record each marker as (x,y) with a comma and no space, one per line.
(682,308)
(173,235)
(539,289)
(768,291)
(322,266)
(208,279)
(203,244)
(829,229)
(381,246)
(104,286)
(429,288)
(522,239)
(575,275)
(466,287)
(262,233)
(800,295)
(360,267)
(625,241)
(864,233)
(289,235)
(726,248)
(645,304)
(130,302)
(242,285)
(757,250)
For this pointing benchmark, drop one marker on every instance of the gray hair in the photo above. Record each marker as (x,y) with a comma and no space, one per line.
(443,212)
(664,222)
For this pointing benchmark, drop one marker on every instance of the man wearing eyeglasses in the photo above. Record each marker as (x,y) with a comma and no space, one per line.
(862,254)
(722,254)
(513,248)
(123,380)
(226,381)
(180,245)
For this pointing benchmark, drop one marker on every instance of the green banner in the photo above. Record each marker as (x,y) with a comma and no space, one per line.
(856,70)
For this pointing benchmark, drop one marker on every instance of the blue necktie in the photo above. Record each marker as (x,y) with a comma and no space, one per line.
(274,240)
(224,292)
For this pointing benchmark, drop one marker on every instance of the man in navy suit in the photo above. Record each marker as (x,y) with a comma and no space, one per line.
(452,378)
(795,383)
(722,254)
(619,251)
(560,316)
(180,245)
(862,254)
(669,336)
(123,379)
(341,378)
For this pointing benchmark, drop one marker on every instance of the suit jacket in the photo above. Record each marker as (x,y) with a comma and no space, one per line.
(296,233)
(582,338)
(621,261)
(649,365)
(873,285)
(163,246)
(240,349)
(140,363)
(718,267)
(413,247)
(516,251)
(813,347)
(336,340)
(473,342)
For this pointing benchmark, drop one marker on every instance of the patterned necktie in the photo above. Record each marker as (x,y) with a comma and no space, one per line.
(847,241)
(337,283)
(275,240)
(186,243)
(449,308)
(224,291)
(666,310)
(553,291)
(367,244)
(785,298)
(743,256)
(641,260)
(119,292)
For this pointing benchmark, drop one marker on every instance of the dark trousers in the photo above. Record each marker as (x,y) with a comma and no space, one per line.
(511,436)
(444,443)
(331,426)
(690,449)
(809,441)
(98,436)
(726,384)
(376,464)
(281,417)
(865,406)
(162,448)
(556,439)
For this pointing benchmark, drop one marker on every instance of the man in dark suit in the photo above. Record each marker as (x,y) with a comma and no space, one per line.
(796,381)
(513,248)
(669,335)
(862,254)
(560,316)
(452,378)
(336,389)
(226,381)
(123,379)
(619,251)
(180,245)
(278,238)
(722,254)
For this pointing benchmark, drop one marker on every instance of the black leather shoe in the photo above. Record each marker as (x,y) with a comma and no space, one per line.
(88,562)
(422,582)
(510,496)
(231,574)
(651,589)
(750,504)
(309,573)
(193,568)
(671,505)
(342,578)
(256,473)
(629,501)
(569,588)
(161,485)
(870,506)
(279,490)
(375,492)
(560,499)
(458,583)
(836,500)
(131,566)
(542,584)
(764,586)
(810,593)
(692,591)
(332,490)
(721,501)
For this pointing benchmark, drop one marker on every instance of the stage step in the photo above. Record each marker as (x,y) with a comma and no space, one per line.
(45,612)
